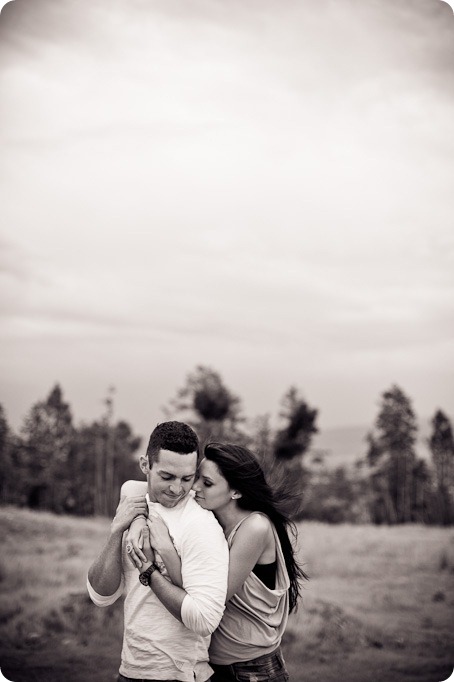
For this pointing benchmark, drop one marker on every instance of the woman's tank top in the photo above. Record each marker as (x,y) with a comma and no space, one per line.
(255,618)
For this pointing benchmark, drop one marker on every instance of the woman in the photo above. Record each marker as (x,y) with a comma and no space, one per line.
(264,576)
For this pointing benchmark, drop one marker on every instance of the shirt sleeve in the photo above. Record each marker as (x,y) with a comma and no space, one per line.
(204,568)
(101,600)
(133,488)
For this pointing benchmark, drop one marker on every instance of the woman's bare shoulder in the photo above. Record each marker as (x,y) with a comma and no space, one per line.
(258,524)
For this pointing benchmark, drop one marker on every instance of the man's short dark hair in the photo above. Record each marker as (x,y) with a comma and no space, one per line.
(174,436)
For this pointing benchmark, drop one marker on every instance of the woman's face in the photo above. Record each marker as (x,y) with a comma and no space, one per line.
(211,489)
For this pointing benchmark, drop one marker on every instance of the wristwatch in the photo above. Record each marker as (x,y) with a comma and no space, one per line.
(144,577)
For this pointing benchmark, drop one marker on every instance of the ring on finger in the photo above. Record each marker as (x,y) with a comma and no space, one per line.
(129,548)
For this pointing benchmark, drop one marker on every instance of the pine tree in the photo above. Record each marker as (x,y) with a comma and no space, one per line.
(294,439)
(441,444)
(6,468)
(209,407)
(47,438)
(391,455)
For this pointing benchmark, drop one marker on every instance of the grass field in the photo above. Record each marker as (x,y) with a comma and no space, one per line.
(379,606)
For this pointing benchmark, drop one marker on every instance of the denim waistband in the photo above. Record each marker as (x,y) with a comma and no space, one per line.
(250,661)
(269,664)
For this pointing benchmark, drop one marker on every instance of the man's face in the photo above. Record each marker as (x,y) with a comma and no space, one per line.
(171,477)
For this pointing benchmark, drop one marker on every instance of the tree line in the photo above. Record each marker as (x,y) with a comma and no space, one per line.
(53,464)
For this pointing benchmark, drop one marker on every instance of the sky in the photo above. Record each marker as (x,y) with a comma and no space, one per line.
(262,187)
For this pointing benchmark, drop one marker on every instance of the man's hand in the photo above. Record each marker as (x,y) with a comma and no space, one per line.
(127,510)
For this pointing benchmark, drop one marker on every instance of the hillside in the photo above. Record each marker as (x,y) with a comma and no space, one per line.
(378,606)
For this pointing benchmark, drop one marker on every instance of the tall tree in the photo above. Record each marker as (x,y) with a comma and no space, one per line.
(94,490)
(59,467)
(104,458)
(441,444)
(47,437)
(294,439)
(208,406)
(422,495)
(113,447)
(7,474)
(391,454)
(14,471)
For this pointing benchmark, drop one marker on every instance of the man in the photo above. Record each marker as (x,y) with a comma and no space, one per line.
(166,628)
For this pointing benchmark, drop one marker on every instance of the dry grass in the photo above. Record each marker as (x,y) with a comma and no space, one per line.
(379,604)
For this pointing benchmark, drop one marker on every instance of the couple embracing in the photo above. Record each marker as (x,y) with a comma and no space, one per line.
(202,553)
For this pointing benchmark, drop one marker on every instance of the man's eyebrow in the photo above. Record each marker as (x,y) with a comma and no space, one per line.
(170,473)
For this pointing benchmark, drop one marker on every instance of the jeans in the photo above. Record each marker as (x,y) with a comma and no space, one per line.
(270,667)
(122,678)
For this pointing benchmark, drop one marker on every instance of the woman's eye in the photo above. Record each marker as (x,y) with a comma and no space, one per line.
(207,484)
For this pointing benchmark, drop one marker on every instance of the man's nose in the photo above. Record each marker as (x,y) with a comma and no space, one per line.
(175,487)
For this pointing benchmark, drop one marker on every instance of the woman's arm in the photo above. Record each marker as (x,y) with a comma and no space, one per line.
(253,538)
(199,605)
(160,538)
(162,543)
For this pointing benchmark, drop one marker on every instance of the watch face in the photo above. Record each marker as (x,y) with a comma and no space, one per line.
(145,579)
(145,576)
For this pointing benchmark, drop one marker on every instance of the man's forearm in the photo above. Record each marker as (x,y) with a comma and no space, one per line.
(105,572)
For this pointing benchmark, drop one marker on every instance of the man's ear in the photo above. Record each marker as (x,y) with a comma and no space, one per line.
(144,465)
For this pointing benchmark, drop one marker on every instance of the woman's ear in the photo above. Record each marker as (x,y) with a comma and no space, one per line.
(235,495)
(144,465)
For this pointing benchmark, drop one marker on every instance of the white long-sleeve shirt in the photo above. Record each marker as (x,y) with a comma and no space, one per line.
(155,644)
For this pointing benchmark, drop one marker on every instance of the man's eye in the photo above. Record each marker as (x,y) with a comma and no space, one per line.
(166,478)
(189,478)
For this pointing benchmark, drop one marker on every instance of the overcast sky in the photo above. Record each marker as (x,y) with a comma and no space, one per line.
(265,187)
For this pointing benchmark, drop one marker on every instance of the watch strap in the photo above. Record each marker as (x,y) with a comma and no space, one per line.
(144,577)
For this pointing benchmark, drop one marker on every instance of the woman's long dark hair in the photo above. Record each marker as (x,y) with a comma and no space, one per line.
(243,473)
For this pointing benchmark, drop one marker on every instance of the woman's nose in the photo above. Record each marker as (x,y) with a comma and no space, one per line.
(196,486)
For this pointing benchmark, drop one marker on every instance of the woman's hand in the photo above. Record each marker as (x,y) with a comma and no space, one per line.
(162,542)
(147,548)
(135,541)
(159,533)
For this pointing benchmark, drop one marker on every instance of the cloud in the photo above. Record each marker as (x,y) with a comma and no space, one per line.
(227,183)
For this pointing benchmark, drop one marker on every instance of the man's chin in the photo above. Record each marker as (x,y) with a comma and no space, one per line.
(170,502)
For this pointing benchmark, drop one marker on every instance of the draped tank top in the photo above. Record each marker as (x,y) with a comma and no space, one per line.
(255,617)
